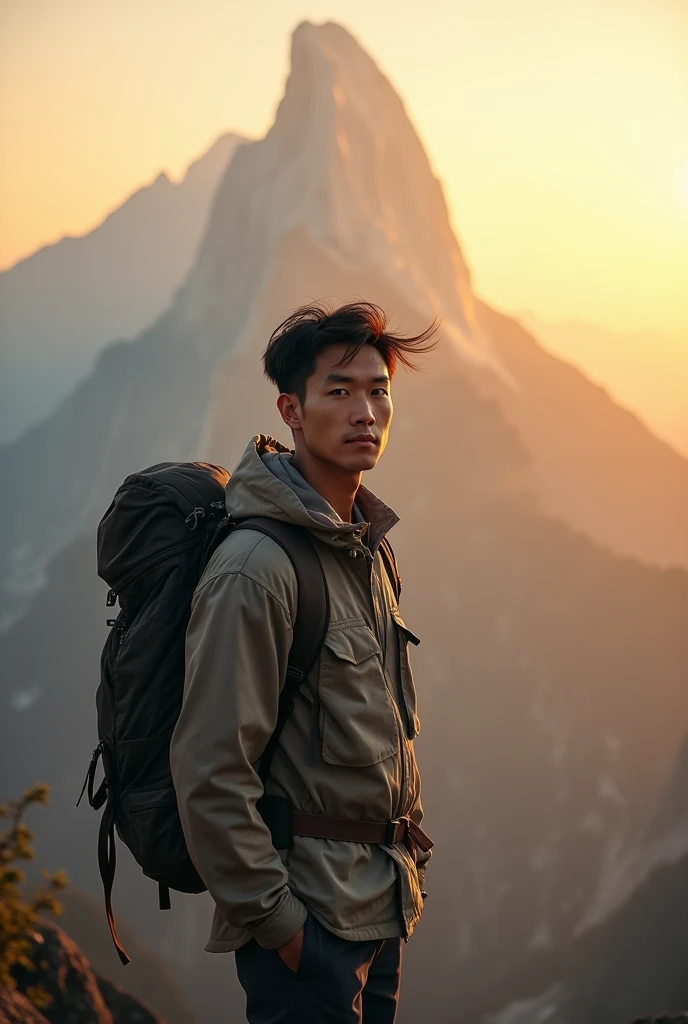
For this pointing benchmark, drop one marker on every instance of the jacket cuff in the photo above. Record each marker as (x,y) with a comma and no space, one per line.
(289,917)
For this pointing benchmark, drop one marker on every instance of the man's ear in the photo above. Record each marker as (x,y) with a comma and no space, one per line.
(290,410)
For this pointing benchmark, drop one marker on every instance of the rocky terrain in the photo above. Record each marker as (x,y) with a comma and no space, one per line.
(75,995)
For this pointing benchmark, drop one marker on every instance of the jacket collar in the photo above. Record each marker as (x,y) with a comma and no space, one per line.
(266,483)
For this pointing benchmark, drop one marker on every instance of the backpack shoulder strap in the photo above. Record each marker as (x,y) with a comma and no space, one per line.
(312,616)
(390,564)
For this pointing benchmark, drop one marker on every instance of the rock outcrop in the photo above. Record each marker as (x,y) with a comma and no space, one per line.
(76,995)
(15,1008)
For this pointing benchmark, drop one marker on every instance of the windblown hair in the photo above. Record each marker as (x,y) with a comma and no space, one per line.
(290,356)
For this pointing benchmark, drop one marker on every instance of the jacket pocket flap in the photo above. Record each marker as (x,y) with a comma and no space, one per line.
(404,628)
(353,643)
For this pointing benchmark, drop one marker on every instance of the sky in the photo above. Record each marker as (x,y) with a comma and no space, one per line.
(559,128)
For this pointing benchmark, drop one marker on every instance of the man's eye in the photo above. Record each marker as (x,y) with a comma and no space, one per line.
(380,391)
(339,391)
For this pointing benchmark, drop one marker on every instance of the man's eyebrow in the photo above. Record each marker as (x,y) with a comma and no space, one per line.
(341,378)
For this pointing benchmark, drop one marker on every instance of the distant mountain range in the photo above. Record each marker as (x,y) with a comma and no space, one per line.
(542,545)
(644,370)
(62,305)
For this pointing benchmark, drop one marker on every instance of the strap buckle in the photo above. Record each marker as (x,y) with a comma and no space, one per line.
(391,832)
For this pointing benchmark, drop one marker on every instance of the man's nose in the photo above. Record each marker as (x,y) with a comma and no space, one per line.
(363,414)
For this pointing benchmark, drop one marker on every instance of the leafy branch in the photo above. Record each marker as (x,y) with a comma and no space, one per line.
(18,917)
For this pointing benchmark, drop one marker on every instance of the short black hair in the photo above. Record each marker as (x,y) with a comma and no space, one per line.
(294,346)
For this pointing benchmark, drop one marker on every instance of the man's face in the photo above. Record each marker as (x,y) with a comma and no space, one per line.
(346,417)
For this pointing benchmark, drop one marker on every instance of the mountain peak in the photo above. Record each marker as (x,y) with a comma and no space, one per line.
(344,163)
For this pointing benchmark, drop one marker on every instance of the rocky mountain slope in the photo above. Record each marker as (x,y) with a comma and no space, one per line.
(632,960)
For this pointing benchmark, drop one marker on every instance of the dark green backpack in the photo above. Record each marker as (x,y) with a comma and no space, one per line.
(153,544)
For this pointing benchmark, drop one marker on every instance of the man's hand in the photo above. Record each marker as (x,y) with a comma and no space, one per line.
(290,952)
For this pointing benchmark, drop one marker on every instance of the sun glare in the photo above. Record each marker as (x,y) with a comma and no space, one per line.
(683,186)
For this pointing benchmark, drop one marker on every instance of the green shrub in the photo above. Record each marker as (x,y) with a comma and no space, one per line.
(18,917)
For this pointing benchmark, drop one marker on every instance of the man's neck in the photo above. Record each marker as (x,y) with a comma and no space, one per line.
(337,487)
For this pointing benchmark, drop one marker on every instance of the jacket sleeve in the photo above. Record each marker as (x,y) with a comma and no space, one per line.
(237,646)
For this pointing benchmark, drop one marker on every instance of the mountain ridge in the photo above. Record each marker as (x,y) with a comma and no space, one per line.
(161,176)
(106,283)
(642,369)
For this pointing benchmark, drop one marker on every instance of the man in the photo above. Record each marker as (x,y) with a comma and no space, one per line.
(317,928)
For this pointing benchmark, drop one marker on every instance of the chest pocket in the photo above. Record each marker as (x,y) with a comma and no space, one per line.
(405,636)
(359,723)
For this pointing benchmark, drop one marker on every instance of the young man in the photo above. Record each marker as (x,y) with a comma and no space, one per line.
(318,927)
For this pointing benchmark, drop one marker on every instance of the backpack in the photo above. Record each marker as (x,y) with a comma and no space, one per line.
(153,544)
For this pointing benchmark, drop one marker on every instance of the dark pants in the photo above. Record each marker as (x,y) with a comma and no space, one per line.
(337,981)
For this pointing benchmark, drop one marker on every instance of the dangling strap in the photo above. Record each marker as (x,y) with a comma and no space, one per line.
(97,799)
(163,897)
(107,862)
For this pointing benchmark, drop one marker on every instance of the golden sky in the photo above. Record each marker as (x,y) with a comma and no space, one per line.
(558,127)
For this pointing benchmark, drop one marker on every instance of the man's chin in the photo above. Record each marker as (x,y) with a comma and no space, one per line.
(362,461)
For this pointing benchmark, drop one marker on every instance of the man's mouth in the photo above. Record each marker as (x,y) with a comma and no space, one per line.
(363,441)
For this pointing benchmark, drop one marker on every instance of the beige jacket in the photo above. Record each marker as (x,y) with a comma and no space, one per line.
(363,722)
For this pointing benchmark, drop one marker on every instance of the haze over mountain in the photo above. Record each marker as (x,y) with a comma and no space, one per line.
(552,669)
(647,371)
(60,306)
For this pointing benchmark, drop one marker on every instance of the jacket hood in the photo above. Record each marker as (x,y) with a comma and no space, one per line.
(266,483)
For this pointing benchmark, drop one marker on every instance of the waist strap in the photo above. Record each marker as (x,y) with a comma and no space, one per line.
(397,830)
(284,823)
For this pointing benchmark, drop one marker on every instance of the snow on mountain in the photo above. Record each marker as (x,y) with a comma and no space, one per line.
(664,845)
(540,1010)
